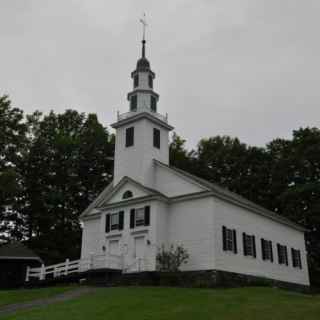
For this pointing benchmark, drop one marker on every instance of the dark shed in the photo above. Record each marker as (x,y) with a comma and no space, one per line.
(14,259)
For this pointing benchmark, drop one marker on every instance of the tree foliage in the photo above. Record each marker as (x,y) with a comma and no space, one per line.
(63,163)
(52,166)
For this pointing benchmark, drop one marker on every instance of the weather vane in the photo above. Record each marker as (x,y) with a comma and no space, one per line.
(144,25)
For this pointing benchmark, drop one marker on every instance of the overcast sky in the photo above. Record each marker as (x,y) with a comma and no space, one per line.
(245,68)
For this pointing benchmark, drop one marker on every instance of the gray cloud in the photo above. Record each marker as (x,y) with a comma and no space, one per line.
(247,68)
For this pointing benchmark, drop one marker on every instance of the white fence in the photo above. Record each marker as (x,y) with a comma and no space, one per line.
(108,261)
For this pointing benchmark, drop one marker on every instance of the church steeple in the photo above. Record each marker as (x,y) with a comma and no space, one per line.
(143,98)
(142,134)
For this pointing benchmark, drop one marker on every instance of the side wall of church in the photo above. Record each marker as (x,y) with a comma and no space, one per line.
(243,220)
(190,223)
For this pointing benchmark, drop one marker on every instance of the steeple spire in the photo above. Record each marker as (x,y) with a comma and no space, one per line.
(144,25)
(143,49)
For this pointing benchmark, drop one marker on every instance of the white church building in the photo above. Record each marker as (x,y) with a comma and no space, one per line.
(150,203)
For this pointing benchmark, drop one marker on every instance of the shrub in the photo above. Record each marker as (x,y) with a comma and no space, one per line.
(171,259)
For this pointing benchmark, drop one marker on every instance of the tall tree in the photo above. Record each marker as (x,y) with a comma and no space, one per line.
(66,167)
(295,186)
(12,143)
(234,165)
(179,156)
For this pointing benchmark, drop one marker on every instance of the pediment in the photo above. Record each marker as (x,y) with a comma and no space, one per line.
(126,185)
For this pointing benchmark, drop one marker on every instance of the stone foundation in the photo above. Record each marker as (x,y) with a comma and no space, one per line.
(204,279)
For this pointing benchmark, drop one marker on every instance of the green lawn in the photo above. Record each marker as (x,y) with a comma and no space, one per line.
(178,303)
(24,295)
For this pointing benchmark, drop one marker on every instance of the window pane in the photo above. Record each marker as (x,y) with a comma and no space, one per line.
(156,138)
(114,222)
(133,103)
(153,104)
(150,82)
(139,217)
(136,81)
(129,136)
(229,238)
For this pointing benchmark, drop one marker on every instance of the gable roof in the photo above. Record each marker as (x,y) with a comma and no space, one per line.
(17,250)
(110,190)
(231,197)
(122,182)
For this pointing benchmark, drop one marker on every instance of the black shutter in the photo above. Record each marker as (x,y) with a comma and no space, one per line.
(224,238)
(279,254)
(271,252)
(299,257)
(286,254)
(254,246)
(263,250)
(147,215)
(244,244)
(132,214)
(107,223)
(121,217)
(235,250)
(292,257)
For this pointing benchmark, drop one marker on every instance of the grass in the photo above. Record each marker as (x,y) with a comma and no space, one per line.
(178,303)
(24,295)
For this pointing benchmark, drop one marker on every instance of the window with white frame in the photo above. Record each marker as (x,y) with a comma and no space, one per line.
(296,258)
(249,245)
(139,217)
(266,248)
(114,221)
(282,254)
(229,239)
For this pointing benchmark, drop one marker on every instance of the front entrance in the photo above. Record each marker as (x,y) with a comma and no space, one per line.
(114,247)
(139,252)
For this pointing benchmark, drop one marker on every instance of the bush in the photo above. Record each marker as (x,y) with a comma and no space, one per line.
(171,259)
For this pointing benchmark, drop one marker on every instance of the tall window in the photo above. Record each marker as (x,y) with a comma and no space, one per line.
(136,80)
(129,137)
(249,245)
(296,258)
(140,217)
(114,221)
(282,254)
(266,248)
(133,103)
(153,104)
(229,238)
(156,138)
(150,80)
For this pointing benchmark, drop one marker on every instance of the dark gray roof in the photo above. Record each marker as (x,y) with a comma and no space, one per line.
(17,250)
